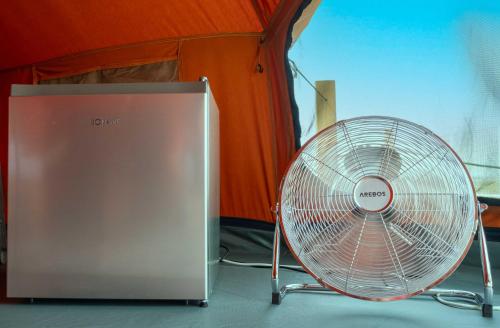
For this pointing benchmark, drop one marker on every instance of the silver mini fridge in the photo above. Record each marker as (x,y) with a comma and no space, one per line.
(113,191)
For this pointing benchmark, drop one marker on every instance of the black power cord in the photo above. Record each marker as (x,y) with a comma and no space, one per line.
(223,259)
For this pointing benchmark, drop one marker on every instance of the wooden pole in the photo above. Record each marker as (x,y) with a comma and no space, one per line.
(326,108)
(325,116)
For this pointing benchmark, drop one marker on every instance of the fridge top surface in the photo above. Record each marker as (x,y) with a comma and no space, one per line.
(25,90)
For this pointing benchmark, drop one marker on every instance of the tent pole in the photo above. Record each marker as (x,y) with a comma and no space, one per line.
(487,306)
(276,296)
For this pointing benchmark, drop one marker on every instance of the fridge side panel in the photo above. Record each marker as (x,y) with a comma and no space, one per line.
(213,191)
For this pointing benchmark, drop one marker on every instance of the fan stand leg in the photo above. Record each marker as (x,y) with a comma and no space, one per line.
(276,294)
(487,306)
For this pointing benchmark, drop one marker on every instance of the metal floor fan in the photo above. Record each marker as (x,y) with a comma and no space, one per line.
(380,209)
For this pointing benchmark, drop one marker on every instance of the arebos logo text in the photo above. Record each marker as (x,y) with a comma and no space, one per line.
(372,194)
(102,122)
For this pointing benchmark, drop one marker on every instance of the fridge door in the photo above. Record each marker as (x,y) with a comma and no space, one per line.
(106,196)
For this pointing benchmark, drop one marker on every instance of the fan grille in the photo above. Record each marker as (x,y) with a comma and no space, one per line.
(378,253)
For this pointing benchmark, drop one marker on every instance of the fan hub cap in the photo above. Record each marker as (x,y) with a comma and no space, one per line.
(373,194)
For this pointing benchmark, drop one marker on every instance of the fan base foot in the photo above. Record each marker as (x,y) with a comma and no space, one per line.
(203,303)
(487,310)
(276,299)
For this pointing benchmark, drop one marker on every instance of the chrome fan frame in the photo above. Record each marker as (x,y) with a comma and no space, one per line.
(484,302)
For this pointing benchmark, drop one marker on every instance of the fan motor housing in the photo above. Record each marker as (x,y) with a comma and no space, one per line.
(373,194)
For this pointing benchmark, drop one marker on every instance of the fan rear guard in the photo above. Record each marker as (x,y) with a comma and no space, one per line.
(377,208)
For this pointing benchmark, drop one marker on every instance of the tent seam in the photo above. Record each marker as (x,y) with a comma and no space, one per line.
(132,45)
(260,15)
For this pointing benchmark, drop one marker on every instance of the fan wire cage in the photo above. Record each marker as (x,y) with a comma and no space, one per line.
(377,208)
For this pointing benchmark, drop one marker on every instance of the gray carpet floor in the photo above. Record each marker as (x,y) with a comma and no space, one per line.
(242,298)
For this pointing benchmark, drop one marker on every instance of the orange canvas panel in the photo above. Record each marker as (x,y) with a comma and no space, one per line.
(491,217)
(247,133)
(34,31)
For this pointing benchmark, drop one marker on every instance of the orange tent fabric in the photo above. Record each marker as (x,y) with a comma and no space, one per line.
(35,31)
(238,45)
(491,217)
(247,133)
